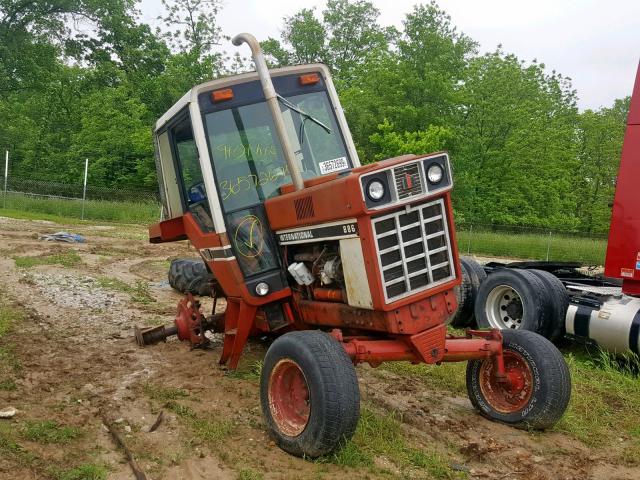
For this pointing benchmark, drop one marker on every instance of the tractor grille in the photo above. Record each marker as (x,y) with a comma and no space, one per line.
(407,180)
(414,250)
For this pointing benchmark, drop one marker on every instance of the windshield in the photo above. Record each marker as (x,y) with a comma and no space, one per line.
(247,156)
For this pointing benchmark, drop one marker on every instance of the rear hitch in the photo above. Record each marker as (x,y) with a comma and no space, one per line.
(189,325)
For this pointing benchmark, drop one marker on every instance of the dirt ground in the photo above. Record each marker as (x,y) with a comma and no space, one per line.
(79,361)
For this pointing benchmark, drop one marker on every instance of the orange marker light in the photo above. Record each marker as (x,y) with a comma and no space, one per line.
(309,79)
(222,95)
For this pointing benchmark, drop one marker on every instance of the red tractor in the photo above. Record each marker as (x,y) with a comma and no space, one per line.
(345,263)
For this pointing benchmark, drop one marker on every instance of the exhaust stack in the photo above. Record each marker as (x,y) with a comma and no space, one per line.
(272,102)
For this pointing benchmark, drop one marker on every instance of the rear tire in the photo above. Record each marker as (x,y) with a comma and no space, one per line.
(191,276)
(472,276)
(309,393)
(511,299)
(560,304)
(541,384)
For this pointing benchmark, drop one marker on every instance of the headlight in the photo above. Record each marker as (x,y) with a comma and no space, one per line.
(375,190)
(262,289)
(435,173)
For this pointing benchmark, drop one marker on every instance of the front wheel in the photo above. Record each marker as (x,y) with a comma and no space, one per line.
(309,393)
(539,385)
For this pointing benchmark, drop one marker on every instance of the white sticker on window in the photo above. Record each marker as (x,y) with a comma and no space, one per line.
(334,165)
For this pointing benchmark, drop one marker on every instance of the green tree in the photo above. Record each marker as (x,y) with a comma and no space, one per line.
(599,146)
(515,144)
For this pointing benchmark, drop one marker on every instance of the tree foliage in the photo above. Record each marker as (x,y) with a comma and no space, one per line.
(87,79)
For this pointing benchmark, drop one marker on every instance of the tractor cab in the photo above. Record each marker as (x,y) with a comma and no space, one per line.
(219,156)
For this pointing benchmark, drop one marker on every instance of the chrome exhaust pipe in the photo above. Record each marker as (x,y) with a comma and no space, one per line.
(272,102)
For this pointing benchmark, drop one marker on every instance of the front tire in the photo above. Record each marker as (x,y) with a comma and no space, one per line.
(309,393)
(539,389)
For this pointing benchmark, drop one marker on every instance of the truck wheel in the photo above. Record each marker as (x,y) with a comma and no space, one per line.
(559,302)
(539,389)
(187,275)
(511,299)
(472,276)
(309,393)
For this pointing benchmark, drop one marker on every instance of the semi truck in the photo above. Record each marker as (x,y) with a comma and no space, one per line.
(561,299)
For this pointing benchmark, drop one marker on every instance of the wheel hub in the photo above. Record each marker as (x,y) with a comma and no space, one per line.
(504,308)
(289,400)
(512,393)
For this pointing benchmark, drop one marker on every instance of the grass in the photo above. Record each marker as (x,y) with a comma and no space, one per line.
(209,429)
(605,398)
(138,293)
(47,431)
(248,474)
(66,259)
(11,450)
(164,394)
(380,435)
(448,377)
(88,471)
(251,372)
(111,211)
(10,317)
(534,246)
(605,401)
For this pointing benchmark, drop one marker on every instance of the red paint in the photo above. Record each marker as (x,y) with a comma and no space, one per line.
(407,180)
(624,234)
(328,295)
(189,322)
(289,398)
(511,393)
(410,319)
(486,344)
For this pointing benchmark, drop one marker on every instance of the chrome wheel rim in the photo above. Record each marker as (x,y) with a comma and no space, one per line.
(504,308)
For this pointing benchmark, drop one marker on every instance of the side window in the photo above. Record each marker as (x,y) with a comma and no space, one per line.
(192,185)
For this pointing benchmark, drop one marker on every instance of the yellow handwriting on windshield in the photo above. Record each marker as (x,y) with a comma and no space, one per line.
(243,183)
(258,151)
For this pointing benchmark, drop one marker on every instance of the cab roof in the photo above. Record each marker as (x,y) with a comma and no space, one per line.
(192,95)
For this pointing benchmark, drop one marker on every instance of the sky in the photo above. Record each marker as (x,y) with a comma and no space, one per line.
(594,42)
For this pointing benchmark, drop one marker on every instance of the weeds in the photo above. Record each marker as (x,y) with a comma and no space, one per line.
(49,432)
(65,259)
(605,399)
(449,377)
(252,373)
(88,471)
(164,394)
(381,436)
(209,429)
(138,293)
(248,474)
(12,450)
(8,385)
(9,315)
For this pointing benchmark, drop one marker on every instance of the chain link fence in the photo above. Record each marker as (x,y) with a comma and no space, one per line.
(142,205)
(130,205)
(532,243)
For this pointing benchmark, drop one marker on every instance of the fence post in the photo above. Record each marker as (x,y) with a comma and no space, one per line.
(84,189)
(6,176)
(469,241)
(548,245)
